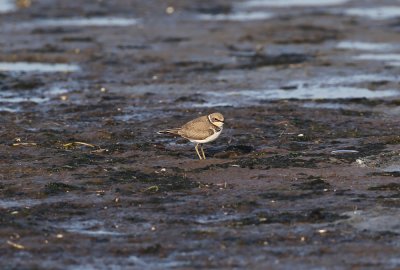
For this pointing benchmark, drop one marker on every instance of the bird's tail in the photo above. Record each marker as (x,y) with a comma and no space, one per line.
(173,131)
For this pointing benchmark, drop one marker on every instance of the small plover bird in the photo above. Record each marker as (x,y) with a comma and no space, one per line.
(200,130)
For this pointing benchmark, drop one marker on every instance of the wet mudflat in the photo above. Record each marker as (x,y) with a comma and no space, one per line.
(304,176)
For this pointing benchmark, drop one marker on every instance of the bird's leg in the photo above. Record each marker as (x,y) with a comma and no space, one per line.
(202,151)
(197,150)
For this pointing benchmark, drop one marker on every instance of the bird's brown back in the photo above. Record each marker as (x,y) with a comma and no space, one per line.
(197,129)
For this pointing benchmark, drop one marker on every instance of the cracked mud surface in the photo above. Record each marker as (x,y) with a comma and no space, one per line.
(304,175)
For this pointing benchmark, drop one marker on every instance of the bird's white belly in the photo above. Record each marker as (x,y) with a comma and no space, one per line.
(209,139)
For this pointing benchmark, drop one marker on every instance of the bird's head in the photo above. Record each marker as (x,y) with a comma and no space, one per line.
(216,119)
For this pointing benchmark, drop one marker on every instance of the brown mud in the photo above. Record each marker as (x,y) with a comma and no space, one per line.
(294,181)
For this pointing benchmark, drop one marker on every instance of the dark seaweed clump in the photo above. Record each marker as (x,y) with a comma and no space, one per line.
(317,215)
(388,187)
(315,184)
(155,182)
(278,161)
(54,188)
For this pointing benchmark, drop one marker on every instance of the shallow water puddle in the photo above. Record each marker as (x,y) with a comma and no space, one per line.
(327,105)
(161,263)
(332,80)
(390,59)
(8,109)
(55,91)
(135,115)
(37,67)
(238,16)
(343,151)
(352,106)
(36,96)
(332,87)
(7,6)
(33,202)
(353,79)
(89,227)
(375,13)
(313,92)
(322,93)
(79,22)
(18,203)
(291,3)
(379,57)
(376,220)
(11,97)
(365,46)
(392,168)
(217,218)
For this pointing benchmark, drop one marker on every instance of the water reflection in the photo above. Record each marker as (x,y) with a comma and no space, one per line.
(313,92)
(238,16)
(78,22)
(7,6)
(89,227)
(365,46)
(291,3)
(379,219)
(37,67)
(375,13)
(392,59)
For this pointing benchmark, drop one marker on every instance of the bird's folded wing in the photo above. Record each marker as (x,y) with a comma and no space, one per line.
(197,129)
(196,133)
